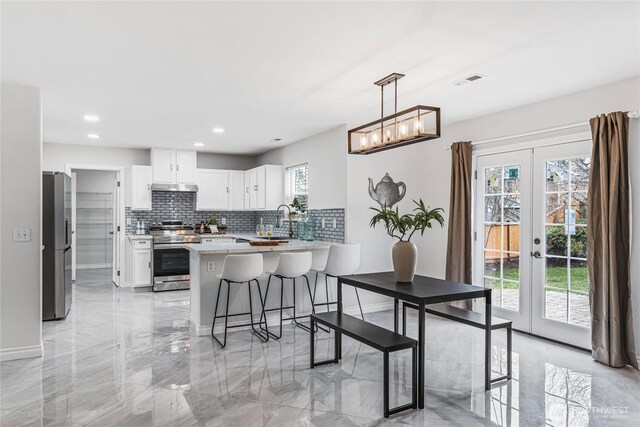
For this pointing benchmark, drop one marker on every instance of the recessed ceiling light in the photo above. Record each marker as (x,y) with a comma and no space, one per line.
(276,140)
(198,144)
(93,136)
(91,118)
(217,130)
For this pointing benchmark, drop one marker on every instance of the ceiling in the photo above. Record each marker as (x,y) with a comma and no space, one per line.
(163,74)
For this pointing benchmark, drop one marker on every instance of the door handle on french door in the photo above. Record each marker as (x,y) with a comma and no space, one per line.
(536,254)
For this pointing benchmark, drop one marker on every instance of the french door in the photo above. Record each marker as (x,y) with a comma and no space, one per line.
(530,238)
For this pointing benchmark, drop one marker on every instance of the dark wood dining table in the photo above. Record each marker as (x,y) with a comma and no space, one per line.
(422,292)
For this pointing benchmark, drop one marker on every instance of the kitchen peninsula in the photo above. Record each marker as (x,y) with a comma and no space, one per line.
(206,260)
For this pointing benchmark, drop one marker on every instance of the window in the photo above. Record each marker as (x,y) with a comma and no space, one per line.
(296,185)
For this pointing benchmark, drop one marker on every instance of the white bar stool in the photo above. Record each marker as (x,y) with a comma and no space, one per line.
(290,266)
(341,261)
(240,269)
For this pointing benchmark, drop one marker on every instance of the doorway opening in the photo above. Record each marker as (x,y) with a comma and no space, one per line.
(97,220)
(94,235)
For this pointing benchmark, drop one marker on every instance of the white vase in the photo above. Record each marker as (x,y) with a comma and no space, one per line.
(405,260)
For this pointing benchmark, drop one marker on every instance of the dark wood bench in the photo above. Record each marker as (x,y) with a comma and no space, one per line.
(374,336)
(468,317)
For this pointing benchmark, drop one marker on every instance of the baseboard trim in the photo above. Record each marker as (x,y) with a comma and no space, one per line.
(273,319)
(21,352)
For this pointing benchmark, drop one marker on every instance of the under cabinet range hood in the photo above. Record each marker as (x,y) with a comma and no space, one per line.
(176,188)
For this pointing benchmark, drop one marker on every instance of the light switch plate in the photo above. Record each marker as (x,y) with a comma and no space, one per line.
(223,221)
(334,224)
(128,221)
(21,234)
(210,267)
(322,222)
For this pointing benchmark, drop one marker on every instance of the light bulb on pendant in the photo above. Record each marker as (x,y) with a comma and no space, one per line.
(417,126)
(363,141)
(388,135)
(375,138)
(403,130)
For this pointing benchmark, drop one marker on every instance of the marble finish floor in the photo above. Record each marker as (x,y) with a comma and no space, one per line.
(129,359)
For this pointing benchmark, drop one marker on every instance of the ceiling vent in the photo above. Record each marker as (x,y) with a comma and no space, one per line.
(469,79)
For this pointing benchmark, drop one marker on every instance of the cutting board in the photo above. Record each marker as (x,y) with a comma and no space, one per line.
(267,242)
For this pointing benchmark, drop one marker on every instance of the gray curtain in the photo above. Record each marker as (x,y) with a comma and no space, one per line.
(608,244)
(459,240)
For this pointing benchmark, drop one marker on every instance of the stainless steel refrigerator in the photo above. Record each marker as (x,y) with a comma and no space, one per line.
(56,241)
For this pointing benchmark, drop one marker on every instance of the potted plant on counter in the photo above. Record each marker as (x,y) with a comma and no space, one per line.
(296,208)
(403,227)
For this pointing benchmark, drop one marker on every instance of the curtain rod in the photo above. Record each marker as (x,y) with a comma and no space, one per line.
(635,114)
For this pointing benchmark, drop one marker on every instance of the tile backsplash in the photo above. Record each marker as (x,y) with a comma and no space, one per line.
(181,206)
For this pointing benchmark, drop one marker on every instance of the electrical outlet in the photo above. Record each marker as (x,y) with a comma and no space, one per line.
(223,221)
(21,234)
(334,224)
(322,222)
(128,221)
(210,266)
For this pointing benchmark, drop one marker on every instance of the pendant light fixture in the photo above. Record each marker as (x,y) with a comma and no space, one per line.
(416,124)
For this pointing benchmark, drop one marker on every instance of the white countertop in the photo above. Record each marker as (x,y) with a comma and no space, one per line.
(139,237)
(231,248)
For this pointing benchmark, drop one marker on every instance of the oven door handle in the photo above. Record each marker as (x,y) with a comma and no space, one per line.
(159,246)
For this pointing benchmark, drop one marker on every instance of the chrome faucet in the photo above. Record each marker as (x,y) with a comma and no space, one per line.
(290,222)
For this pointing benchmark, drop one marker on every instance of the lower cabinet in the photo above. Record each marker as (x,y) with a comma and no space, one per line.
(139,262)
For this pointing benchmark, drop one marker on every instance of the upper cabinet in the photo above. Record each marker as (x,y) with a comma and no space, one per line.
(163,163)
(213,189)
(173,166)
(236,190)
(141,188)
(265,187)
(186,164)
(258,188)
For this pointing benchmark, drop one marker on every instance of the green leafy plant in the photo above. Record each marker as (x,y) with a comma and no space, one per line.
(213,221)
(398,226)
(557,242)
(296,206)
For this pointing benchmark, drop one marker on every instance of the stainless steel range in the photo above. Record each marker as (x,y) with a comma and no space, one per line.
(170,259)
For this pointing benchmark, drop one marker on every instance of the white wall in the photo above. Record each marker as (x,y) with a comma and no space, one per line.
(226,161)
(21,206)
(325,154)
(94,181)
(425,168)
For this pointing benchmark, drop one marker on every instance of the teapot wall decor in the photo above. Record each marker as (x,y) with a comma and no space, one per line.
(386,192)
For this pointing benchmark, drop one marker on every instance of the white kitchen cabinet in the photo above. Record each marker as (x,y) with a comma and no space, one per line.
(186,163)
(213,189)
(163,165)
(140,261)
(173,166)
(236,190)
(141,179)
(247,189)
(251,181)
(266,187)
